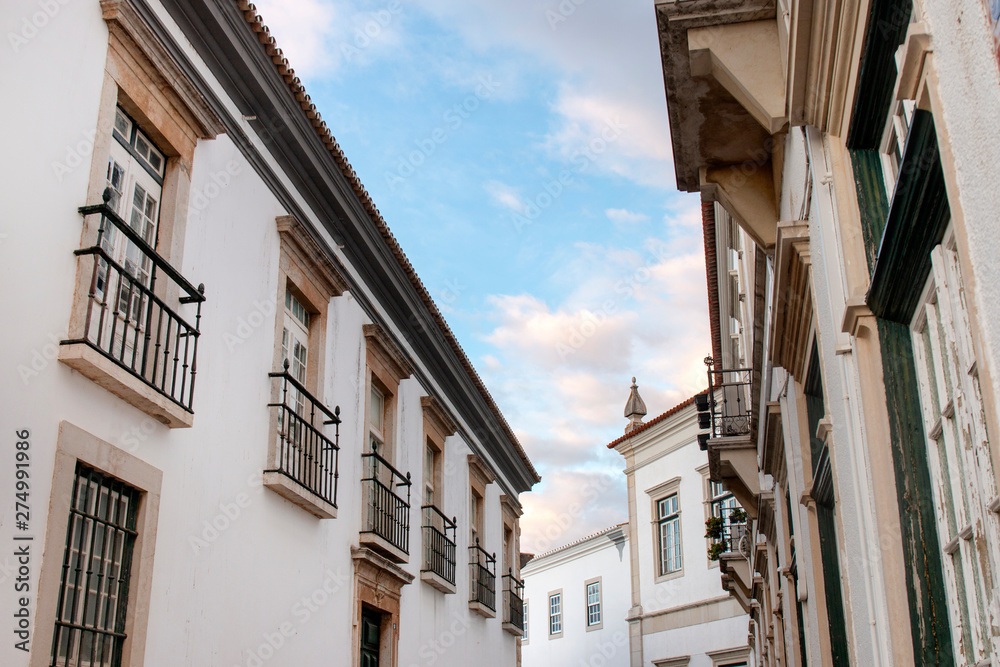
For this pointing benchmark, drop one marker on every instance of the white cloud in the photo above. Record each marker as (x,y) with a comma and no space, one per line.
(624,217)
(505,195)
(304,30)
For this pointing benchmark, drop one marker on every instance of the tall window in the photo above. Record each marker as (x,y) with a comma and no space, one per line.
(295,344)
(555,614)
(376,420)
(593,604)
(958,452)
(524,612)
(668,511)
(475,516)
(431,457)
(93,591)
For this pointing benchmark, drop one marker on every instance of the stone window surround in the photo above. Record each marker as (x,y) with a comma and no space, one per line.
(74,444)
(562,613)
(656,494)
(511,511)
(313,278)
(438,427)
(386,367)
(706,485)
(586,604)
(479,477)
(378,584)
(143,79)
(729,656)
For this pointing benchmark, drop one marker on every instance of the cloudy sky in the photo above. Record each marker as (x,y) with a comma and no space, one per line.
(520,152)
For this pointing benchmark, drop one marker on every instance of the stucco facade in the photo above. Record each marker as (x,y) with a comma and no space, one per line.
(258,529)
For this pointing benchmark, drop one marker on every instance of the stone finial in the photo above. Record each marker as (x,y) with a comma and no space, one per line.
(635,409)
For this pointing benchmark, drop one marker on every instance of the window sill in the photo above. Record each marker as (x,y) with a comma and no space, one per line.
(676,574)
(106,373)
(482,609)
(438,582)
(294,492)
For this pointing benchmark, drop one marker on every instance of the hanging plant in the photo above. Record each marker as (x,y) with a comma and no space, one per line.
(716,550)
(713,527)
(737,516)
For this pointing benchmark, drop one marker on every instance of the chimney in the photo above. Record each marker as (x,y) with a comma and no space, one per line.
(635,409)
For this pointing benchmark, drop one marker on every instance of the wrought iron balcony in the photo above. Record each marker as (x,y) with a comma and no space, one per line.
(387,511)
(304,453)
(726,409)
(482,577)
(727,530)
(134,309)
(513,605)
(439,548)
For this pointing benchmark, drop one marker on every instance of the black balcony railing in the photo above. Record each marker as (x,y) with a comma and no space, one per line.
(482,577)
(439,548)
(304,452)
(387,512)
(513,596)
(729,399)
(134,320)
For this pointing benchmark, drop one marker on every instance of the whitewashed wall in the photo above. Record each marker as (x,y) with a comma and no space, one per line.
(568,569)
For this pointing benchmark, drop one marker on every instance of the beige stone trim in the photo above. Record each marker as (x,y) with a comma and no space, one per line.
(792,297)
(548,614)
(696,613)
(386,355)
(437,423)
(656,494)
(479,474)
(682,661)
(94,365)
(74,444)
(378,584)
(727,656)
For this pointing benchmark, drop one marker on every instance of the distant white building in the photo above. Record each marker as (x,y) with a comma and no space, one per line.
(678,616)
(576,598)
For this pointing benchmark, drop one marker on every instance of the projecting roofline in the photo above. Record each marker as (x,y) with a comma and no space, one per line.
(235,45)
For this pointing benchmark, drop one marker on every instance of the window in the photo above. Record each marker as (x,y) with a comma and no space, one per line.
(376,420)
(430,473)
(555,614)
(524,638)
(90,619)
(958,451)
(475,516)
(895,141)
(669,522)
(295,345)
(594,619)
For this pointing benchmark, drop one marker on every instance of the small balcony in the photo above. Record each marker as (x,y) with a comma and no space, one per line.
(305,460)
(136,331)
(726,412)
(513,604)
(386,508)
(482,581)
(439,549)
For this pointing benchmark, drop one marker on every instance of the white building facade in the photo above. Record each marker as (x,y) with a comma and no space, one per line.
(576,598)
(244,433)
(678,614)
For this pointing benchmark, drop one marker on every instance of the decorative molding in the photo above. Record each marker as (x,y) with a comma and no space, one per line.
(479,474)
(510,508)
(793,306)
(311,257)
(435,415)
(380,572)
(664,487)
(125,23)
(385,349)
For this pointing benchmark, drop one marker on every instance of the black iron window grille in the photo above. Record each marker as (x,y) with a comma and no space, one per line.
(387,513)
(482,576)
(729,401)
(439,548)
(97,563)
(513,598)
(134,320)
(304,453)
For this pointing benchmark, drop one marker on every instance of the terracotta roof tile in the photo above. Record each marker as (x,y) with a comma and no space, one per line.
(298,91)
(579,541)
(654,421)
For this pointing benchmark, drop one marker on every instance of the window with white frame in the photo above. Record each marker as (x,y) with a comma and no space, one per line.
(593,604)
(376,420)
(958,452)
(894,142)
(669,534)
(524,612)
(555,614)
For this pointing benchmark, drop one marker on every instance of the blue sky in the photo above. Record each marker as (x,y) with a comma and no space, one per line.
(520,153)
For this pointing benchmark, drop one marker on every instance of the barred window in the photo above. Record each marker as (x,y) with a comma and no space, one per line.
(93,591)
